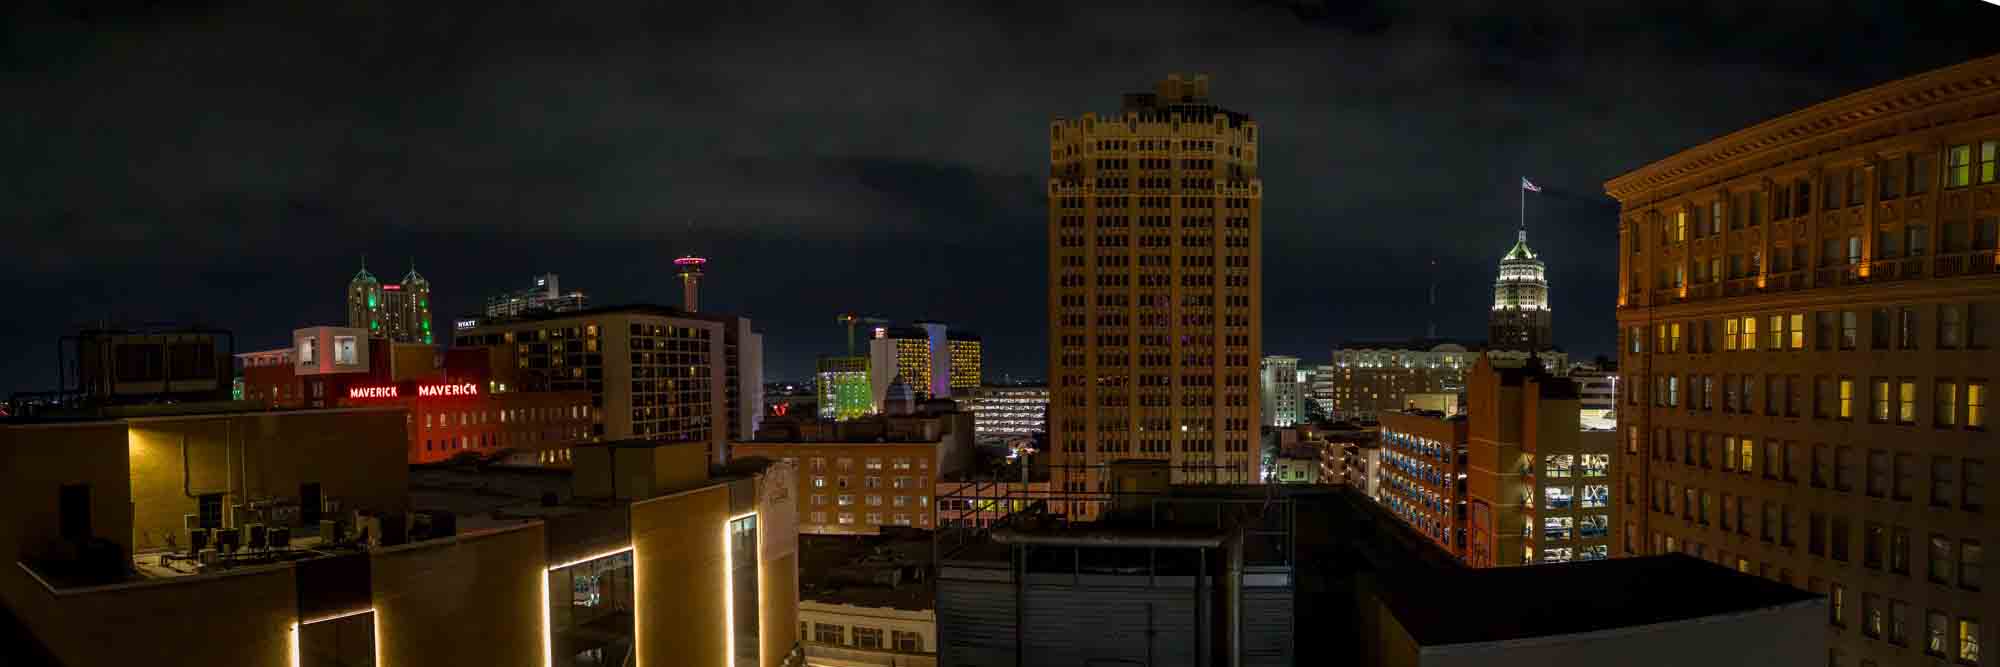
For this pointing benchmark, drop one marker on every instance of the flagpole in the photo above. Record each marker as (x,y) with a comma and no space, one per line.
(1522,190)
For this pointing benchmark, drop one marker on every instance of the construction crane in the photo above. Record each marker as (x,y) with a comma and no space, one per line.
(852,319)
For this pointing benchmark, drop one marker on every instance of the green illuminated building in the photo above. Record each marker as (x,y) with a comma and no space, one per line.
(398,311)
(844,391)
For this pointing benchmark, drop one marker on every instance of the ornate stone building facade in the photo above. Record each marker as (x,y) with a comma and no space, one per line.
(1809,309)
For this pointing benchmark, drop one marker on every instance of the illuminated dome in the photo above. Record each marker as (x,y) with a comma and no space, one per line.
(363,276)
(1522,284)
(413,279)
(1521,317)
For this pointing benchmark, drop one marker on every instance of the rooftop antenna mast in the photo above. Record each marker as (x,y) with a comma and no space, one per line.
(1433,331)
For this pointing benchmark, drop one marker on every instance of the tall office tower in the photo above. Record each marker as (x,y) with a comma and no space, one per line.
(965,348)
(1280,379)
(545,295)
(1520,318)
(1809,309)
(1155,225)
(399,311)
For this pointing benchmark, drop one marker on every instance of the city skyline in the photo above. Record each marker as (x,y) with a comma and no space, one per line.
(475,170)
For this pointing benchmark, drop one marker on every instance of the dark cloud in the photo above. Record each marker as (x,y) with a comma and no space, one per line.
(231,165)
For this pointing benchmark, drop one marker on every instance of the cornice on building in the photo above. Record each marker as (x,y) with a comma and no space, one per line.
(1959,83)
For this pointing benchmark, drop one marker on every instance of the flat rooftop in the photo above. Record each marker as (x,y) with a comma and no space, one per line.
(1573,598)
(837,569)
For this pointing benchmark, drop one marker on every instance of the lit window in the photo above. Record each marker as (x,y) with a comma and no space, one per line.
(1975,405)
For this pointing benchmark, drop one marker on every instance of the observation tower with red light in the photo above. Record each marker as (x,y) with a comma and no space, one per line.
(690,270)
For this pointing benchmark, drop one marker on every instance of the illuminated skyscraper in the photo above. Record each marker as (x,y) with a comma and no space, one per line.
(934,361)
(966,350)
(843,387)
(399,311)
(1280,390)
(364,301)
(1155,225)
(1520,319)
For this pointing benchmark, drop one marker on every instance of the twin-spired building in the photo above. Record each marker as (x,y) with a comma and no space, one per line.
(1155,220)
(399,311)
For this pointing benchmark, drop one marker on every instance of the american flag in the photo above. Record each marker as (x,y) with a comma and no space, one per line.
(1529,185)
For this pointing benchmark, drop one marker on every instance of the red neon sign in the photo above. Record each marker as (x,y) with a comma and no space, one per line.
(423,390)
(466,389)
(372,392)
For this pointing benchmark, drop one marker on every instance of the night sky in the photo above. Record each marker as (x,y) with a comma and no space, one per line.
(232,166)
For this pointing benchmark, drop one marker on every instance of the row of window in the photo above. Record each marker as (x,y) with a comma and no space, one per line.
(861,637)
(1954,326)
(845,500)
(1965,165)
(874,482)
(1954,403)
(1881,618)
(875,519)
(505,416)
(1954,482)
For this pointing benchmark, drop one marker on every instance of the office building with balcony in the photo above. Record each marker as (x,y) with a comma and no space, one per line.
(1155,274)
(1808,310)
(201,534)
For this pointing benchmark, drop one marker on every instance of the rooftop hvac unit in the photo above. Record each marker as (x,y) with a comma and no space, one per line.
(197,540)
(254,536)
(228,539)
(281,537)
(331,532)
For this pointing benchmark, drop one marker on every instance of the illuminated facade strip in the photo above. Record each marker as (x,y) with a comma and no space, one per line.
(606,554)
(729,596)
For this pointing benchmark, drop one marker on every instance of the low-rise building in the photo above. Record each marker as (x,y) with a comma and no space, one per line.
(1318,575)
(1007,412)
(1422,474)
(205,534)
(1360,466)
(1299,465)
(863,474)
(868,601)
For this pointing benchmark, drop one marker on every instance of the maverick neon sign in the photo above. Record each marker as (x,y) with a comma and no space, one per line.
(466,389)
(423,390)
